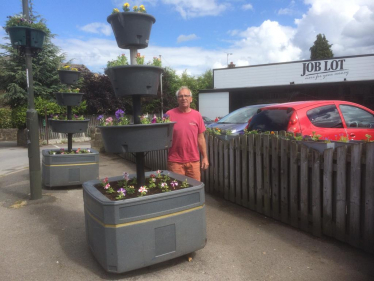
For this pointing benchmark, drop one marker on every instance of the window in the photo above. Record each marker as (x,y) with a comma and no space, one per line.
(271,120)
(356,117)
(325,117)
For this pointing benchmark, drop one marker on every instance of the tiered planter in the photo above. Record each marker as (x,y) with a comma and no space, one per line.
(133,233)
(69,169)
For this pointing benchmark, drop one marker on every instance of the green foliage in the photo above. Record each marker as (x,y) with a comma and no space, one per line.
(20,20)
(19,117)
(5,118)
(44,68)
(121,60)
(321,48)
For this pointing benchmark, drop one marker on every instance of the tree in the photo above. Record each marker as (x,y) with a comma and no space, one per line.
(45,75)
(321,49)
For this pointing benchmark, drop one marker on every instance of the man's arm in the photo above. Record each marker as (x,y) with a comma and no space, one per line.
(202,147)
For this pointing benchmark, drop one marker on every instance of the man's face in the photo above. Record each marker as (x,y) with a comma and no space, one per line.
(184,98)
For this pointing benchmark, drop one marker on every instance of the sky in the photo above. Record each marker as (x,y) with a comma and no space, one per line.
(197,35)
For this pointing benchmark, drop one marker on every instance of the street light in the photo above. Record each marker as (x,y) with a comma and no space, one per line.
(228,54)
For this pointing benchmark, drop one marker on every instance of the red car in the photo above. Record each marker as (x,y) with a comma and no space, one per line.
(331,119)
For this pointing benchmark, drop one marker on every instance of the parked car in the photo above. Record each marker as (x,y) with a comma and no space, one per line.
(237,120)
(331,119)
(207,120)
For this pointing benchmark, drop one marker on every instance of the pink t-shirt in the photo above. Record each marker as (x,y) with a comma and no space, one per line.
(185,148)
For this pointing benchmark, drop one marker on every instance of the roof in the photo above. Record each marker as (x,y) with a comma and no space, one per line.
(301,104)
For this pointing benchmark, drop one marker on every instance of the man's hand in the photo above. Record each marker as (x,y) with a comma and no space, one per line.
(204,163)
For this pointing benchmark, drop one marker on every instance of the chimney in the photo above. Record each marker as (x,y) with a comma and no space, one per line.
(231,65)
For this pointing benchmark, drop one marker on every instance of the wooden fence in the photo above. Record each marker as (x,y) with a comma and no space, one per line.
(330,193)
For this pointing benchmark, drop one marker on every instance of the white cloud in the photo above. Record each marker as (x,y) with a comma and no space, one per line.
(197,8)
(184,38)
(98,28)
(285,11)
(347,24)
(247,7)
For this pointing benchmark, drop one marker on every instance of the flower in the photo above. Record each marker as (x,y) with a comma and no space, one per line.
(119,113)
(122,190)
(21,20)
(107,186)
(68,67)
(109,121)
(126,176)
(115,10)
(126,7)
(154,119)
(139,59)
(143,190)
(105,180)
(174,183)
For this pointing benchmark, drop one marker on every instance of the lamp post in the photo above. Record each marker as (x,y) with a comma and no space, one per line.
(32,125)
(228,54)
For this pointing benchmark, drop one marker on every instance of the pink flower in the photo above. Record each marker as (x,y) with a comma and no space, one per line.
(105,180)
(143,189)
(154,119)
(158,171)
(107,186)
(163,184)
(126,176)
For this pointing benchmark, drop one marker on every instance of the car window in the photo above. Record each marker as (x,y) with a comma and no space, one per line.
(240,116)
(356,117)
(271,120)
(325,117)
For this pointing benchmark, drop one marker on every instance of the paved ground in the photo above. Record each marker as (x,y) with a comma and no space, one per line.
(45,240)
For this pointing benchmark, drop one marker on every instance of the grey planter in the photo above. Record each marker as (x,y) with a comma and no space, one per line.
(134,233)
(131,30)
(69,169)
(69,126)
(69,99)
(226,137)
(133,80)
(22,36)
(137,137)
(69,77)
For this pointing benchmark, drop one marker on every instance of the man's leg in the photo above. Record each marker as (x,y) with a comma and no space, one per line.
(176,168)
(193,170)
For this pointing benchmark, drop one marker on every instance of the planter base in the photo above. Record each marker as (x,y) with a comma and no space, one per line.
(134,233)
(69,169)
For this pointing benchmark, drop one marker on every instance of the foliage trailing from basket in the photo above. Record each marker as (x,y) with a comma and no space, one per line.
(122,60)
(64,117)
(120,119)
(63,152)
(145,119)
(20,20)
(126,188)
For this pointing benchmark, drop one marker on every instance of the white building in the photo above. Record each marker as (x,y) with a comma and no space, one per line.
(348,78)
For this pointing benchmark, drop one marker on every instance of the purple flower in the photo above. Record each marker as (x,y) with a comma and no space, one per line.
(122,190)
(100,117)
(154,119)
(119,113)
(166,116)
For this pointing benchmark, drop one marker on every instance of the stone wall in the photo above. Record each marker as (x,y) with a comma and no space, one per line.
(96,139)
(8,134)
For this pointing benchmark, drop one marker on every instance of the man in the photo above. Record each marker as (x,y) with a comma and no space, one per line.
(188,138)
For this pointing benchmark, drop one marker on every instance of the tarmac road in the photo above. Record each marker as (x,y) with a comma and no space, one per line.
(45,240)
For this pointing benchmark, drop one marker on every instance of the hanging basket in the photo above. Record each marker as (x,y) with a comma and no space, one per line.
(69,126)
(21,36)
(137,137)
(68,77)
(132,30)
(130,80)
(69,99)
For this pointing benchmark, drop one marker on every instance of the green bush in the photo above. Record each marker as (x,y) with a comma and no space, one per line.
(5,118)
(19,117)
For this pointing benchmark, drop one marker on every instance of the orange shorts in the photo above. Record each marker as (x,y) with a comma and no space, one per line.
(189,169)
